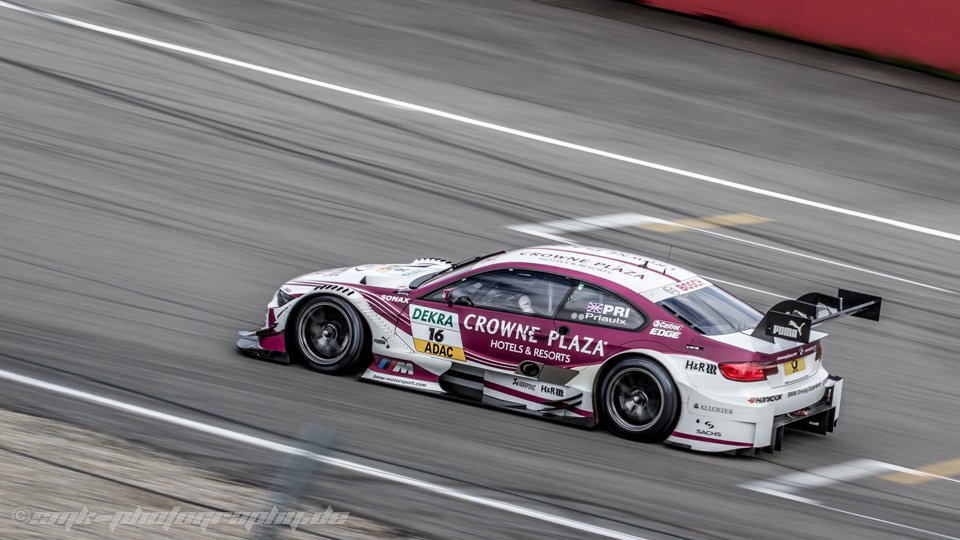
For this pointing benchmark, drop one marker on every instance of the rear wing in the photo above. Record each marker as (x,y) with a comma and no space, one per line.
(793,319)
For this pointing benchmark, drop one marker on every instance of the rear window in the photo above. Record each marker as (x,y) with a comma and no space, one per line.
(712,311)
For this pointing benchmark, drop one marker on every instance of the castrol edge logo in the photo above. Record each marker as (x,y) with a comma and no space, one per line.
(666,329)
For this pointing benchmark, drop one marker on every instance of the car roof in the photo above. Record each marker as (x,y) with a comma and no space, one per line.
(643,275)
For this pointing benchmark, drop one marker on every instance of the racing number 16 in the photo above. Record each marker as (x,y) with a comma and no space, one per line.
(436,335)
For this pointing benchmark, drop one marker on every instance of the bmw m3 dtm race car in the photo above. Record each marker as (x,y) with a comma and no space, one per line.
(578,334)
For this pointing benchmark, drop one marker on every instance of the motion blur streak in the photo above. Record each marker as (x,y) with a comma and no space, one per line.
(546,230)
(885,522)
(336,462)
(480,123)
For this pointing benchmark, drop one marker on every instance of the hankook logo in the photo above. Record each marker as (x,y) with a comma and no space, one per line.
(766,399)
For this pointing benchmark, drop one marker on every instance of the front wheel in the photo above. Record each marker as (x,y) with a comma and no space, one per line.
(328,335)
(638,400)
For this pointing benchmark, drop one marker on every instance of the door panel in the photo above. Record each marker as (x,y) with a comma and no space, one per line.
(496,319)
(436,331)
(508,337)
(593,325)
(480,336)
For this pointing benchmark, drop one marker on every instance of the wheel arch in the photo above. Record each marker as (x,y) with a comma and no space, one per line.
(340,291)
(344,293)
(681,384)
(679,378)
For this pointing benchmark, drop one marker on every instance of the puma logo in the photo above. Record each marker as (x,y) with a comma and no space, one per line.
(792,330)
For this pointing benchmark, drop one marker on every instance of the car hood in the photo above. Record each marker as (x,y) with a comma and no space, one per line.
(393,276)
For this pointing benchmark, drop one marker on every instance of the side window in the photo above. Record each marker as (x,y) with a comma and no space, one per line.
(517,291)
(590,305)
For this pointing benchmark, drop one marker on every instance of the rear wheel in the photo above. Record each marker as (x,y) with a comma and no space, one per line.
(329,336)
(638,400)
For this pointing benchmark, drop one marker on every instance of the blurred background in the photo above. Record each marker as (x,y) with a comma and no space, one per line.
(153,198)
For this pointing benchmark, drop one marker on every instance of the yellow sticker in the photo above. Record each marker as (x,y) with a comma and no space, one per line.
(794,366)
(439,349)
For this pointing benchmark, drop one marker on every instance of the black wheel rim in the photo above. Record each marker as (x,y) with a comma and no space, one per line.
(324,333)
(635,399)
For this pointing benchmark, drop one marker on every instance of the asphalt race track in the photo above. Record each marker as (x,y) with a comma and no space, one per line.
(151,201)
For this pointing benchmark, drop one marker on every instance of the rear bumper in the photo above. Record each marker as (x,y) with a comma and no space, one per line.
(726,427)
(249,344)
(821,417)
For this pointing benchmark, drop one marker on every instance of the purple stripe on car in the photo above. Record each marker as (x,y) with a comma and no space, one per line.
(386,311)
(530,397)
(488,361)
(709,439)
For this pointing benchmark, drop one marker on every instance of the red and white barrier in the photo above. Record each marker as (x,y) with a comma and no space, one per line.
(926,31)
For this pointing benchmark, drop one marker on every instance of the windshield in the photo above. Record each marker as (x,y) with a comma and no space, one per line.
(712,311)
(455,266)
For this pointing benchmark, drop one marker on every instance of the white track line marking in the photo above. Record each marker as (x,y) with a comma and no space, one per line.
(822,476)
(481,123)
(824,260)
(785,486)
(926,474)
(886,522)
(742,286)
(548,229)
(336,462)
(533,230)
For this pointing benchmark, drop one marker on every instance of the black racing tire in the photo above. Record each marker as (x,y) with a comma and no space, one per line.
(639,400)
(328,335)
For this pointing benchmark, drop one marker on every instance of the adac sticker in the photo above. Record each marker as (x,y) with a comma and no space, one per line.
(437,333)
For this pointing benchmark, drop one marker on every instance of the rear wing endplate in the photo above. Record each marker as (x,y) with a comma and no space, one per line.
(793,319)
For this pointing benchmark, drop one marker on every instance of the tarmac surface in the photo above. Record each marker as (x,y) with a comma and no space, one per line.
(151,201)
(134,492)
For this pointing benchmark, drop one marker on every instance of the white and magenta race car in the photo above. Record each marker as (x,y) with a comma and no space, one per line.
(579,334)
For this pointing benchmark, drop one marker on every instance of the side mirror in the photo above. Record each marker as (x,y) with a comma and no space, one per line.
(453,298)
(462,300)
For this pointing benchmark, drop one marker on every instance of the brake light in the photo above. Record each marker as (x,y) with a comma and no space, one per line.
(748,371)
(819,351)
